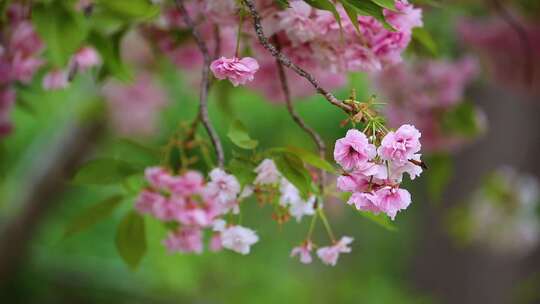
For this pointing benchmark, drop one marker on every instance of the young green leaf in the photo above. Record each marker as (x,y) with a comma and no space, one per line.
(239,136)
(105,171)
(92,215)
(379,219)
(292,168)
(326,5)
(131,239)
(282,3)
(243,171)
(353,15)
(62,31)
(309,158)
(368,8)
(132,9)
(389,4)
(424,38)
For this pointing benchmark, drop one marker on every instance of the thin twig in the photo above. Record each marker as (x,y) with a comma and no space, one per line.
(205,84)
(321,146)
(528,64)
(284,60)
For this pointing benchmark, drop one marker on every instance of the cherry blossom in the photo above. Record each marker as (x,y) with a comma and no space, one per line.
(237,71)
(329,255)
(303,252)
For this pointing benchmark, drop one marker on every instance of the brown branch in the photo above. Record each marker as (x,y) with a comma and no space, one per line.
(285,61)
(205,85)
(45,184)
(528,64)
(321,146)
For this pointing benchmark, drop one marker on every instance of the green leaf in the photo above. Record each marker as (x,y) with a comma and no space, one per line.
(92,215)
(461,120)
(131,239)
(424,38)
(105,171)
(379,219)
(439,174)
(326,5)
(62,31)
(239,136)
(353,16)
(283,4)
(389,4)
(368,8)
(309,158)
(292,168)
(133,9)
(243,170)
(109,49)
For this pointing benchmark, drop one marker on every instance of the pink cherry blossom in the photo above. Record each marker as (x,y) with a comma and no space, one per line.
(296,22)
(158,177)
(191,182)
(401,145)
(222,187)
(24,39)
(352,183)
(329,255)
(353,150)
(405,17)
(185,239)
(267,173)
(55,80)
(146,201)
(215,242)
(134,108)
(86,58)
(364,201)
(238,71)
(304,252)
(236,238)
(390,200)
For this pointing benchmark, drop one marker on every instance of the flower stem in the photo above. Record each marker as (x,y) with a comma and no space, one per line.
(321,213)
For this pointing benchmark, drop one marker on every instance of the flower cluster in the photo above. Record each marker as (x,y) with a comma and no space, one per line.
(20,50)
(503,215)
(133,108)
(373,173)
(485,36)
(84,59)
(268,178)
(423,93)
(192,205)
(312,38)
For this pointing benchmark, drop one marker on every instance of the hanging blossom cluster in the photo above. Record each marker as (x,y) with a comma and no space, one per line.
(374,168)
(486,37)
(423,93)
(503,213)
(20,50)
(193,204)
(20,58)
(312,38)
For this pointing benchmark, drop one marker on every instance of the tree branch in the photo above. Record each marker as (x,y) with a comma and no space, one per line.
(321,146)
(528,64)
(285,61)
(205,84)
(46,182)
